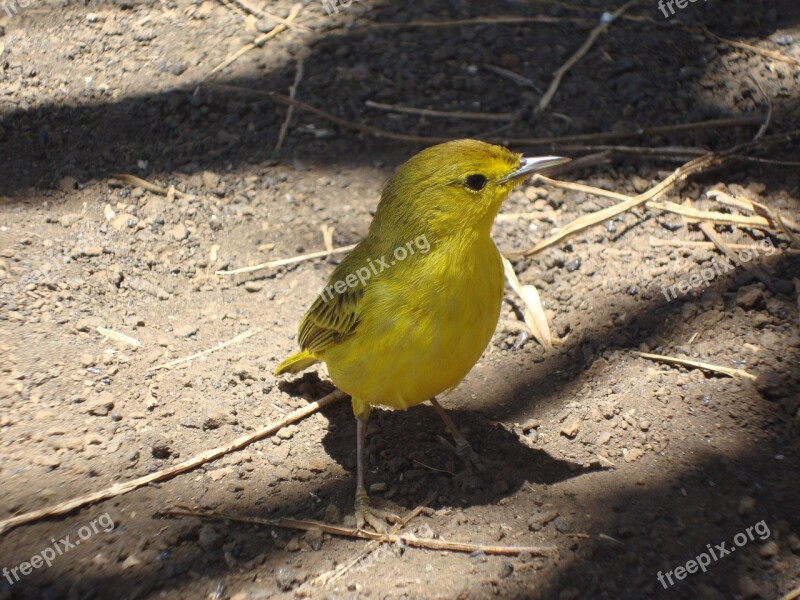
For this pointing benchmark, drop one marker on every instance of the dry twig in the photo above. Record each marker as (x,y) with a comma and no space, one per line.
(572,60)
(694,215)
(658,242)
(262,14)
(762,51)
(258,42)
(793,595)
(768,119)
(697,165)
(146,185)
(607,136)
(361,534)
(722,246)
(286,261)
(327,578)
(119,489)
(239,338)
(486,20)
(511,76)
(427,112)
(730,372)
(298,77)
(118,337)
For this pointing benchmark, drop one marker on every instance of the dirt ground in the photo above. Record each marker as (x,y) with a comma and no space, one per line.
(626,467)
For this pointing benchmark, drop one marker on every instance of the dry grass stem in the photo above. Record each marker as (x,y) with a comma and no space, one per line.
(146,185)
(730,372)
(658,242)
(118,489)
(178,361)
(258,42)
(607,136)
(443,114)
(327,578)
(361,534)
(572,60)
(286,261)
(298,77)
(118,337)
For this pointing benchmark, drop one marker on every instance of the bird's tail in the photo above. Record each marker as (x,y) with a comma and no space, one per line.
(296,363)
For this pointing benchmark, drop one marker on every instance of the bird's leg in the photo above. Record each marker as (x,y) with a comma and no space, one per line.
(463,448)
(365,513)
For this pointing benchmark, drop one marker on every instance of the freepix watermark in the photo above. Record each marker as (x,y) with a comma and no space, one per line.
(332,6)
(58,548)
(715,552)
(12,7)
(671,4)
(704,277)
(373,267)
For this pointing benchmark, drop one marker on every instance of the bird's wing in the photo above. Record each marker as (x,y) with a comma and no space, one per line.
(332,318)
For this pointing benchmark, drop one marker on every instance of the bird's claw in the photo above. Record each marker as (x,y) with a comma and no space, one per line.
(472,460)
(366,514)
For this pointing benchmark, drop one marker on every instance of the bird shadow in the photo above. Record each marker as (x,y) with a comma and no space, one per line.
(409,455)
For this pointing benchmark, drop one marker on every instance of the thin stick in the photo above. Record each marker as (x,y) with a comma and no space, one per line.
(325,579)
(793,595)
(298,76)
(361,534)
(722,246)
(220,346)
(658,242)
(562,70)
(581,187)
(607,136)
(611,136)
(768,161)
(692,167)
(119,489)
(671,151)
(603,215)
(117,336)
(259,41)
(235,7)
(512,76)
(768,120)
(286,261)
(427,112)
(754,207)
(763,51)
(256,12)
(694,215)
(487,20)
(146,185)
(785,226)
(730,372)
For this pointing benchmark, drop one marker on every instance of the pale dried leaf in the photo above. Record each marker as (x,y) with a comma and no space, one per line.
(533,311)
(117,336)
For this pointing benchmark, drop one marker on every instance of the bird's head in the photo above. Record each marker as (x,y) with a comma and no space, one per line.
(455,187)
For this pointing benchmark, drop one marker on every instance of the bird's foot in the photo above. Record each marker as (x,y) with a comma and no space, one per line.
(366,514)
(472,459)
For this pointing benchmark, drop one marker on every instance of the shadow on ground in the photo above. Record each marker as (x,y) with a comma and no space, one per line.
(181,132)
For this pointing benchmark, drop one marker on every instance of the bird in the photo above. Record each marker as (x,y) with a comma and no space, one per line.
(409,311)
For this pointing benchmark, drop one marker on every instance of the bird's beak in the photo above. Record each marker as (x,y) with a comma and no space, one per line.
(532,164)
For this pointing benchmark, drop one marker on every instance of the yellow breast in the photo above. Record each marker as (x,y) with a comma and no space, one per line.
(422,329)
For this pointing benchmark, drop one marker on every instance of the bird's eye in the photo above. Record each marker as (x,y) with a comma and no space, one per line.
(475,182)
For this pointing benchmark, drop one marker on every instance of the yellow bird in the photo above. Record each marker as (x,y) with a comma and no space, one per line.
(409,311)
